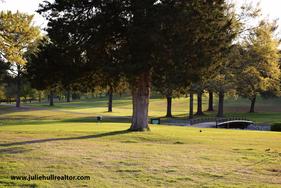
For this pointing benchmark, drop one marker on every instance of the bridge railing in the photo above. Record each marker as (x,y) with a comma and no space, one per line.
(221,120)
(216,119)
(202,120)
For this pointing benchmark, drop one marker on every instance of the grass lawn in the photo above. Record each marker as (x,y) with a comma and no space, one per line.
(65,139)
(166,156)
(268,111)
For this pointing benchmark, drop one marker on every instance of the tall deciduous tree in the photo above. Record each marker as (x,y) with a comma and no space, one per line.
(18,36)
(260,69)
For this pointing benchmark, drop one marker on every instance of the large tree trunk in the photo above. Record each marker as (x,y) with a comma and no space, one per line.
(169,106)
(220,107)
(110,96)
(51,98)
(199,104)
(253,102)
(191,105)
(211,102)
(18,86)
(140,94)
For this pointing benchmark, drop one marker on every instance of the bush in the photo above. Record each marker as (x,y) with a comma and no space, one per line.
(276,127)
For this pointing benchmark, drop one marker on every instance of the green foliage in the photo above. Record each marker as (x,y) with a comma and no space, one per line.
(259,70)
(2,92)
(39,69)
(45,69)
(276,127)
(27,91)
(10,90)
(217,76)
(167,82)
(17,36)
(142,36)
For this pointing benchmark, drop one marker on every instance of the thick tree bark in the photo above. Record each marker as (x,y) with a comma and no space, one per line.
(253,102)
(140,95)
(199,104)
(191,105)
(51,98)
(68,95)
(211,102)
(18,86)
(169,106)
(110,96)
(220,107)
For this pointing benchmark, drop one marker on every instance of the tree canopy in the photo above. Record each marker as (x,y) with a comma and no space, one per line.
(17,36)
(259,69)
(136,38)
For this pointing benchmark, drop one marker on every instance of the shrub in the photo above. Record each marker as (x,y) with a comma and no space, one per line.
(276,127)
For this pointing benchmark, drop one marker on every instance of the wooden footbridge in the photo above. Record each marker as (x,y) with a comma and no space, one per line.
(225,122)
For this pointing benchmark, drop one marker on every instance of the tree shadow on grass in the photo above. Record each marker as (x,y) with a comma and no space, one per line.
(89,119)
(105,119)
(14,150)
(65,139)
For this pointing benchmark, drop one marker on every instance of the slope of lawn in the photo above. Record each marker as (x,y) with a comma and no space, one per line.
(165,157)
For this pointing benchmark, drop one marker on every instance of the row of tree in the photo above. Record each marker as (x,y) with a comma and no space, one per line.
(248,68)
(175,46)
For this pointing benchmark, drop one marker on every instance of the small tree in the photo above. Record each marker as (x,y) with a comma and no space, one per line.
(115,86)
(260,69)
(167,83)
(27,91)
(18,37)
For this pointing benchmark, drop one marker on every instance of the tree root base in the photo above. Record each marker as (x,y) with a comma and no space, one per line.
(139,129)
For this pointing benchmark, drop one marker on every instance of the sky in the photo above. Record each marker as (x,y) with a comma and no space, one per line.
(270,8)
(26,6)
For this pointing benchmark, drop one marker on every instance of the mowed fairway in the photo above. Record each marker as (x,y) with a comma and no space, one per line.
(66,140)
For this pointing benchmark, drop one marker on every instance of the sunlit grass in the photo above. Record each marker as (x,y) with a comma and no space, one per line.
(166,156)
(66,139)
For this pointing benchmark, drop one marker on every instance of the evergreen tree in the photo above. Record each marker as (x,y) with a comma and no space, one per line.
(135,34)
(43,69)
